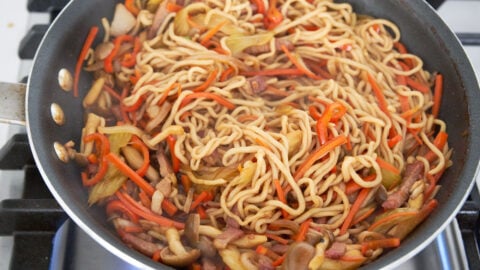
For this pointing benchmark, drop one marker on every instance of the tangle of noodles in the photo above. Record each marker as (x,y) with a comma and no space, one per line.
(288,128)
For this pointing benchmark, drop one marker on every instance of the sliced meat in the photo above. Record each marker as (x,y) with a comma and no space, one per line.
(279,248)
(336,251)
(166,169)
(228,236)
(145,247)
(413,172)
(265,263)
(206,247)
(160,15)
(257,84)
(259,49)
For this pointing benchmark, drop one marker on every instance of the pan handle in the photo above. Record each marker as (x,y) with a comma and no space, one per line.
(12,103)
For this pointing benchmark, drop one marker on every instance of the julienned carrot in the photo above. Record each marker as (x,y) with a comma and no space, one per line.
(439,142)
(281,195)
(207,83)
(363,216)
(107,62)
(125,169)
(171,140)
(302,232)
(333,112)
(352,186)
(277,238)
(382,102)
(201,212)
(380,243)
(83,53)
(279,261)
(314,112)
(130,59)
(437,95)
(130,5)
(320,152)
(362,195)
(226,73)
(164,96)
(274,72)
(112,92)
(144,199)
(273,17)
(418,85)
(118,206)
(298,65)
(222,101)
(156,256)
(186,183)
(137,143)
(391,217)
(210,33)
(145,213)
(387,166)
(199,199)
(102,143)
(262,250)
(172,7)
(393,141)
(260,6)
(169,207)
(135,106)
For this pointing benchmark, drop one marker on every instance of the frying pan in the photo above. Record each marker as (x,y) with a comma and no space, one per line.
(423,32)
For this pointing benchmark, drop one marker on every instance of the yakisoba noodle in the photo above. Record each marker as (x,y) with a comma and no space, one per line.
(256,134)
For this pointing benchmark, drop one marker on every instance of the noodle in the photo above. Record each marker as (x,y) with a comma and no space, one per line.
(321,124)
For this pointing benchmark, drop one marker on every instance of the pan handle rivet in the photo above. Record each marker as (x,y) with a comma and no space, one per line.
(61,152)
(65,79)
(57,113)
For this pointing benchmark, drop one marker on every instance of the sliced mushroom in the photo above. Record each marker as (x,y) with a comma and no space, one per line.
(298,256)
(192,229)
(176,254)
(250,241)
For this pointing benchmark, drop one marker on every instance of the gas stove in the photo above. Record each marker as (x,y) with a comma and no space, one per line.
(35,233)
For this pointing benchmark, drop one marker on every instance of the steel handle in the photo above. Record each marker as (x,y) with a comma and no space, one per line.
(12,103)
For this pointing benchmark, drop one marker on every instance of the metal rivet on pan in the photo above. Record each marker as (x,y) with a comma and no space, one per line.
(61,152)
(57,114)
(65,79)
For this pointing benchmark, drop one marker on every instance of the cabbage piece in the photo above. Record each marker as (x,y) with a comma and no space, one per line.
(180,23)
(113,179)
(390,179)
(246,174)
(238,43)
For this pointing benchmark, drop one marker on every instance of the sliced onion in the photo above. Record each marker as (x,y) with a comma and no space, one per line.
(238,43)
(103,50)
(123,21)
(180,23)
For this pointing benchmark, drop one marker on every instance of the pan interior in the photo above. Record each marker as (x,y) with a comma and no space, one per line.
(422,31)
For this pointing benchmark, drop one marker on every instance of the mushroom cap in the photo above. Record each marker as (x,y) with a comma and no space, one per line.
(182,260)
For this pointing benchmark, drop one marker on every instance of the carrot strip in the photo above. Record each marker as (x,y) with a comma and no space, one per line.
(144,199)
(125,169)
(146,213)
(172,7)
(363,217)
(392,217)
(261,250)
(320,152)
(83,53)
(107,62)
(207,83)
(210,33)
(380,243)
(260,6)
(274,72)
(281,196)
(132,229)
(298,65)
(138,144)
(382,102)
(112,92)
(393,141)
(226,73)
(156,256)
(352,186)
(130,5)
(417,85)
(169,207)
(439,142)
(362,195)
(222,101)
(199,199)
(277,238)
(273,17)
(387,166)
(118,206)
(279,261)
(302,232)
(201,212)
(130,59)
(164,96)
(187,184)
(101,141)
(437,95)
(171,140)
